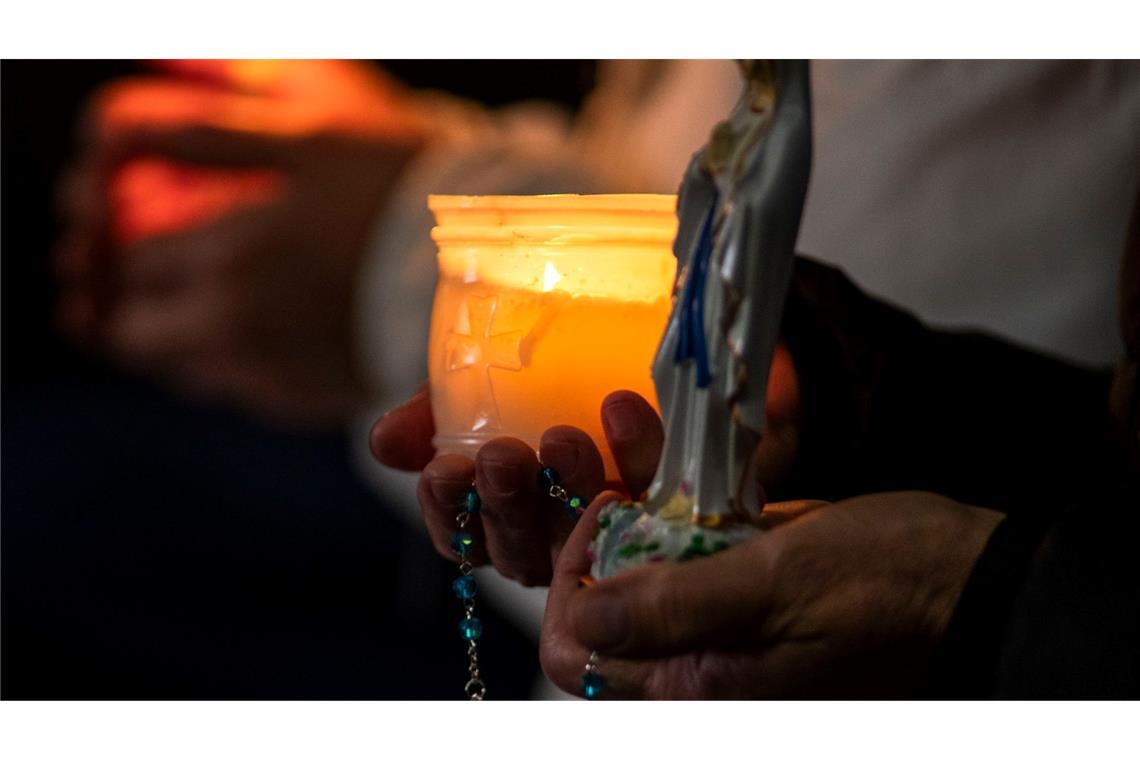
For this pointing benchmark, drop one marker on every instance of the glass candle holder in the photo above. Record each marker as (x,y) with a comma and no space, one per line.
(545,304)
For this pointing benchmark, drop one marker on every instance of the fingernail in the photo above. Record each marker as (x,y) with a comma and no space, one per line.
(621,421)
(608,624)
(503,478)
(562,455)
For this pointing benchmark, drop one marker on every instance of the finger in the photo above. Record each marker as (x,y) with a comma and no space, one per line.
(443,483)
(179,293)
(159,333)
(162,101)
(635,435)
(675,608)
(518,537)
(575,457)
(562,655)
(208,254)
(207,144)
(212,70)
(247,75)
(402,438)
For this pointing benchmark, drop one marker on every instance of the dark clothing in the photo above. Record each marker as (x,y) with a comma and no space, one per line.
(890,404)
(160,549)
(1053,606)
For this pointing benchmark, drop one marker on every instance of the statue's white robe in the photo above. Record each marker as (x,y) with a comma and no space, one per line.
(712,433)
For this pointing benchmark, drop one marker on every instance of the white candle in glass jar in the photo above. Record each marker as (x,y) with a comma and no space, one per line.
(545,304)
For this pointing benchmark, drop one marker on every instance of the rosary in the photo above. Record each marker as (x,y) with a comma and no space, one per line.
(465,588)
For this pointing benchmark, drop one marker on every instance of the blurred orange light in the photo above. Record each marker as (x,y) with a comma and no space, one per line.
(154,196)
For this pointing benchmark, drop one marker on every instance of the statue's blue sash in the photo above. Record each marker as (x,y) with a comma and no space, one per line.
(692,343)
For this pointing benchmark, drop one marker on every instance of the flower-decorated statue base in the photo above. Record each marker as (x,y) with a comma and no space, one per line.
(629,536)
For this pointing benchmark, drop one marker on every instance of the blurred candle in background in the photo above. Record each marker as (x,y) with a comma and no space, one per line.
(545,304)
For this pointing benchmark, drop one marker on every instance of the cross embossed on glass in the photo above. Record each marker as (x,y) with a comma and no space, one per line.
(473,344)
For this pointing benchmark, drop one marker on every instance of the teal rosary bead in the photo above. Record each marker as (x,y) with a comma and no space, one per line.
(462,542)
(470,503)
(464,587)
(548,478)
(470,628)
(593,684)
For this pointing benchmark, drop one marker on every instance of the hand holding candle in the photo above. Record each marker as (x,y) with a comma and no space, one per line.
(523,528)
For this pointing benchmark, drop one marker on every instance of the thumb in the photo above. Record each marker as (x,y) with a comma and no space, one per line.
(674,608)
(635,436)
(402,438)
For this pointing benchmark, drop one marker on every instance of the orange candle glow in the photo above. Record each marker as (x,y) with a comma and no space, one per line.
(545,304)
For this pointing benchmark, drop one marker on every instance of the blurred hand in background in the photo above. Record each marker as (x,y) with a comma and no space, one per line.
(216,216)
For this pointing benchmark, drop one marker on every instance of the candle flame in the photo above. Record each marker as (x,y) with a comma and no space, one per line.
(550,277)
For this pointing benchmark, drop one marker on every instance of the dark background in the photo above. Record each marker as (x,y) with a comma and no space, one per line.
(154,548)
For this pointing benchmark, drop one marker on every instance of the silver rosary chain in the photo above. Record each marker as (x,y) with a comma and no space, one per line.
(475,689)
(470,626)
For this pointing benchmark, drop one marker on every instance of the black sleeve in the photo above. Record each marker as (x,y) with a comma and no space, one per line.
(1052,616)
(1074,628)
(890,404)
